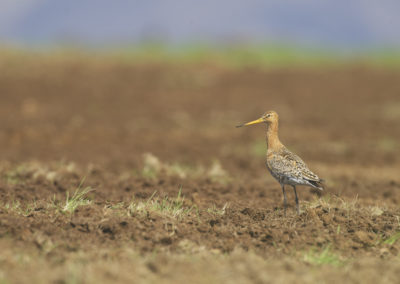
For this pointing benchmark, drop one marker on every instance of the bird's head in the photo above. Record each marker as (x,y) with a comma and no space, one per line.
(268,117)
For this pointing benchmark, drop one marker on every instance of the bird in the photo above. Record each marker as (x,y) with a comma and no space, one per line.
(286,167)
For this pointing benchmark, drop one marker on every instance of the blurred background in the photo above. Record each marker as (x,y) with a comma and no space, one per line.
(342,24)
(149,76)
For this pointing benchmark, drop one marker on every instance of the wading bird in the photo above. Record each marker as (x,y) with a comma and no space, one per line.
(287,168)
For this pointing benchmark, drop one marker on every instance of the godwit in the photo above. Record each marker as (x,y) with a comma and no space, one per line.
(284,166)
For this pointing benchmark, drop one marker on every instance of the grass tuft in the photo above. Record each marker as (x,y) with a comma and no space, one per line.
(393,239)
(217,211)
(77,199)
(172,207)
(153,167)
(324,257)
(15,206)
(15,176)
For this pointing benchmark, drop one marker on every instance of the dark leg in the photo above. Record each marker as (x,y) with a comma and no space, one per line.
(297,200)
(284,198)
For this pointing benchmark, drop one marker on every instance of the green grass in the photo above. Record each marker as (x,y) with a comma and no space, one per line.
(218,211)
(15,176)
(79,198)
(387,144)
(153,167)
(324,257)
(232,56)
(171,207)
(16,206)
(389,57)
(236,56)
(148,173)
(262,55)
(393,239)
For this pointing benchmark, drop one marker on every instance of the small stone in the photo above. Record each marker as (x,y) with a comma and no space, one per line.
(376,211)
(362,237)
(383,252)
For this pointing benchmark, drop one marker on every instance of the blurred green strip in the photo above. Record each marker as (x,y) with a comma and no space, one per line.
(236,56)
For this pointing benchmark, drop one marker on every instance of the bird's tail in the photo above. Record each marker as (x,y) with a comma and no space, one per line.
(317,184)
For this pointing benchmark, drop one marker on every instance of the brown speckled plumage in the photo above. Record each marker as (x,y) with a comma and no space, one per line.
(286,167)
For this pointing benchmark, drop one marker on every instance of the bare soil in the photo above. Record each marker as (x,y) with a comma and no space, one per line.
(65,119)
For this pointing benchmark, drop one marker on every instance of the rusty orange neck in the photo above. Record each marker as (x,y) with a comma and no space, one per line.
(273,142)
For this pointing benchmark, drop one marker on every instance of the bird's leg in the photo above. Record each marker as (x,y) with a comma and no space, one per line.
(297,200)
(284,198)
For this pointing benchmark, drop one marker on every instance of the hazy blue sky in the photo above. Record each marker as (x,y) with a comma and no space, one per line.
(337,23)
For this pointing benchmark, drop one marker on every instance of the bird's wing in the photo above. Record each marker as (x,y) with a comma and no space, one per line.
(285,163)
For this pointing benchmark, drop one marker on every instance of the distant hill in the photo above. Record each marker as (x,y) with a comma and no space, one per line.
(340,23)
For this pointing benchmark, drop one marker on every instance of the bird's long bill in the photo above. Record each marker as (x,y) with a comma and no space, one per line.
(251,122)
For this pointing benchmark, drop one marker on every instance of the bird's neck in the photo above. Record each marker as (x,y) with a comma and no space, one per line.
(273,141)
